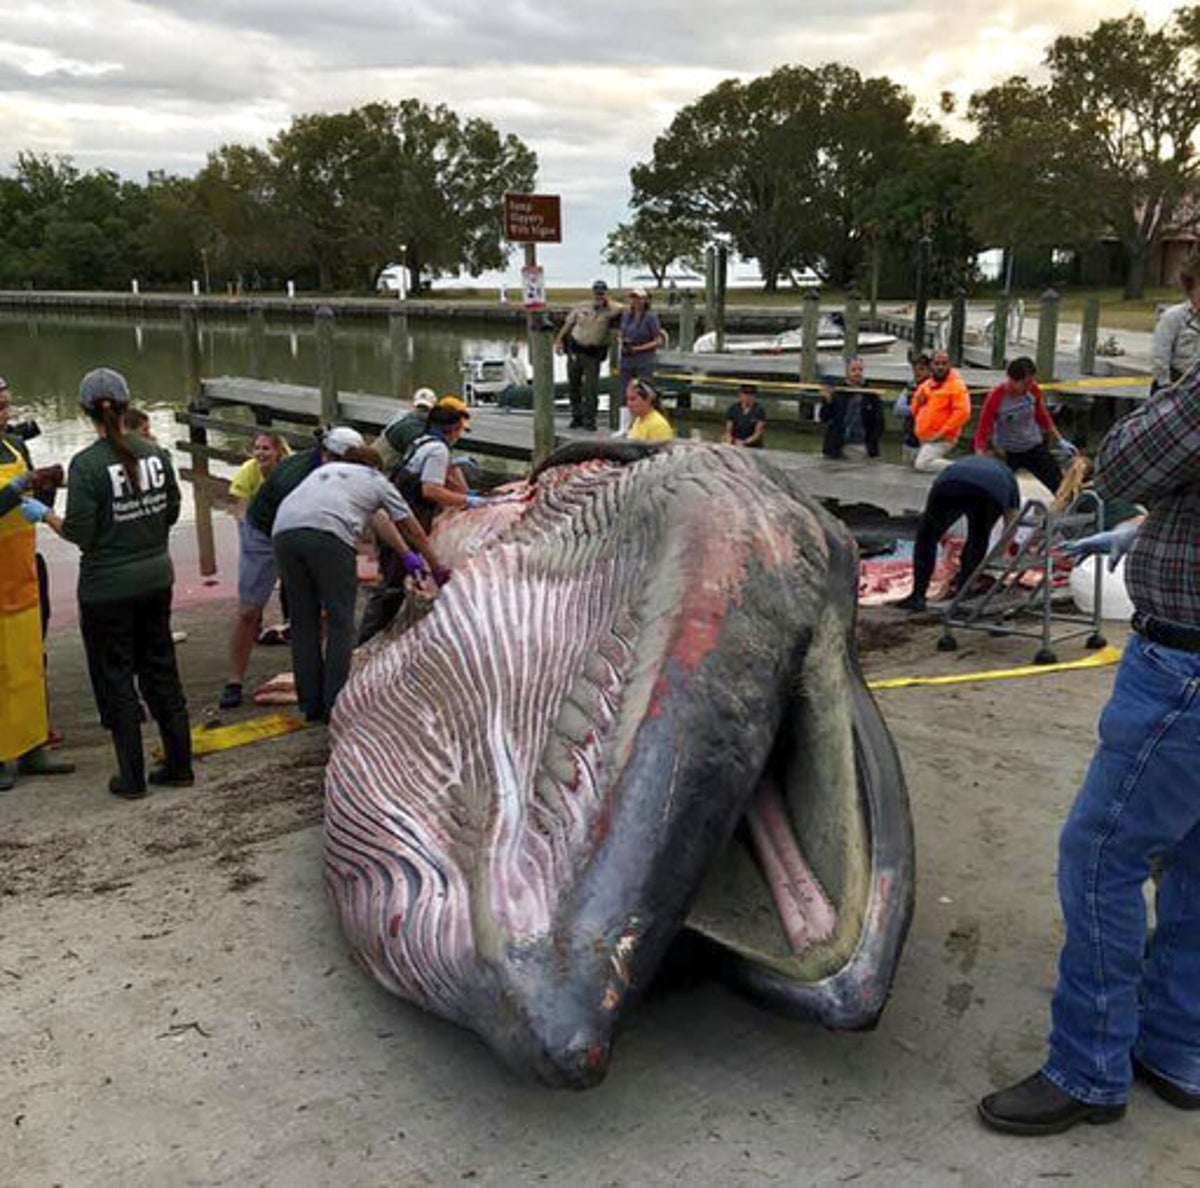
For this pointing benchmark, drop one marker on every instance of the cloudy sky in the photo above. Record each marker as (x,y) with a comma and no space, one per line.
(155,85)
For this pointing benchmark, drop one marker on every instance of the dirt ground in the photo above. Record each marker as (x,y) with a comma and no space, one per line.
(177,1007)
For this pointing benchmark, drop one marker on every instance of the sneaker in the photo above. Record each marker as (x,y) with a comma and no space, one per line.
(231,696)
(118,789)
(162,777)
(913,604)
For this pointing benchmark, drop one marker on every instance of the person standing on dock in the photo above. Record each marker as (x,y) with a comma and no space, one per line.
(1127,1004)
(941,407)
(1176,344)
(1016,427)
(585,338)
(641,336)
(746,420)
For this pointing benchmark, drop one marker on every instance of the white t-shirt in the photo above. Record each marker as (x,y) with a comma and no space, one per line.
(340,497)
(430,462)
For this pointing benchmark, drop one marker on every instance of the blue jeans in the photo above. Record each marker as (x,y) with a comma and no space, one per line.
(1140,800)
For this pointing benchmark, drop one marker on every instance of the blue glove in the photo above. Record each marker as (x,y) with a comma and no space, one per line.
(1114,544)
(413,563)
(478,501)
(34,511)
(20,483)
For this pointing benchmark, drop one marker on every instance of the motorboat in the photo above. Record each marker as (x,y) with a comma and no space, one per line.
(831,339)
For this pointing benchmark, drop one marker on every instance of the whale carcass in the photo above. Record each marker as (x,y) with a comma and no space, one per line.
(636,703)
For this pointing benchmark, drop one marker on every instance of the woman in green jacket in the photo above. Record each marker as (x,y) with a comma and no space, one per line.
(122,498)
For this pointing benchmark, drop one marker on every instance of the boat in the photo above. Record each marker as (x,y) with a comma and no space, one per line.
(831,339)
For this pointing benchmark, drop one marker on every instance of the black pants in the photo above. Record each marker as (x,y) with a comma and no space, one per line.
(320,574)
(583,385)
(127,640)
(1040,463)
(947,502)
(833,415)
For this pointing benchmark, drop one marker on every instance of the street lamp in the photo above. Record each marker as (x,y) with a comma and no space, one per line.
(403,271)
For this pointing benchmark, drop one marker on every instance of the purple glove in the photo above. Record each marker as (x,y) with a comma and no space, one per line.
(20,483)
(441,574)
(413,563)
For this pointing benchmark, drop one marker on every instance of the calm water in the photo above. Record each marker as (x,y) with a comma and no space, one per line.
(43,359)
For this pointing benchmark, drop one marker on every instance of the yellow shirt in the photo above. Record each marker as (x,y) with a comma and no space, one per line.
(245,484)
(652,427)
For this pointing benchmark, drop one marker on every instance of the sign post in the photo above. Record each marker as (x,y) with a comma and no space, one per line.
(531,219)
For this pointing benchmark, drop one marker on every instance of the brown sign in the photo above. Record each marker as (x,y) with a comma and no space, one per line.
(532,218)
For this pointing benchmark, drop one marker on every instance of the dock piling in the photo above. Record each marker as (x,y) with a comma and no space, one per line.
(808,346)
(1047,340)
(541,352)
(852,321)
(326,373)
(958,325)
(687,320)
(1000,333)
(256,333)
(1089,333)
(198,439)
(401,371)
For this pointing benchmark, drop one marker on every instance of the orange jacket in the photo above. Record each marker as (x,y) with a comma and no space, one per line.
(941,409)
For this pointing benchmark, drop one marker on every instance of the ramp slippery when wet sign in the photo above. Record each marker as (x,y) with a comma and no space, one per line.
(532,218)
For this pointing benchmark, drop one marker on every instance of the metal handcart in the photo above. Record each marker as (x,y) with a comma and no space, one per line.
(999,598)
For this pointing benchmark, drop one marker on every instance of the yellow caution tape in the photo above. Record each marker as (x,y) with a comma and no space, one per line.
(1098,659)
(208,739)
(1085,383)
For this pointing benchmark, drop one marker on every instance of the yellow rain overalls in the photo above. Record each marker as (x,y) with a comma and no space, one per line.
(24,722)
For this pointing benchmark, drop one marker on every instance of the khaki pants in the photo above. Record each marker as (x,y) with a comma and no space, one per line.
(931,457)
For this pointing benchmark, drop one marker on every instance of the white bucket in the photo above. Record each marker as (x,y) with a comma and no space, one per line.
(1117,605)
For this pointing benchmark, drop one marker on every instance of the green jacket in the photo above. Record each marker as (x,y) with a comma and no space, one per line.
(121,533)
(288,474)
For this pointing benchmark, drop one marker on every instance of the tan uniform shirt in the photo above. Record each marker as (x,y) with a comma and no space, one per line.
(589,326)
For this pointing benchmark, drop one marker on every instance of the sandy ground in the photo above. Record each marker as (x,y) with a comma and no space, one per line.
(177,1007)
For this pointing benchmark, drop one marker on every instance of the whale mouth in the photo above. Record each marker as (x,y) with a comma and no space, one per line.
(643,666)
(808,906)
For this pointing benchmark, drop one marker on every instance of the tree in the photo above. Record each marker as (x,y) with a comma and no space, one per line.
(356,185)
(1107,146)
(783,164)
(655,241)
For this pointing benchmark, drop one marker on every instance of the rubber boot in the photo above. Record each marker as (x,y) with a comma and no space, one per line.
(131,763)
(176,733)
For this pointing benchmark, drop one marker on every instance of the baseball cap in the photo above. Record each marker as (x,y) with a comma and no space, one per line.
(639,292)
(456,405)
(600,286)
(339,440)
(424,398)
(747,386)
(103,383)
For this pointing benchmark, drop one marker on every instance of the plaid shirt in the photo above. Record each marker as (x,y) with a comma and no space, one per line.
(1152,457)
